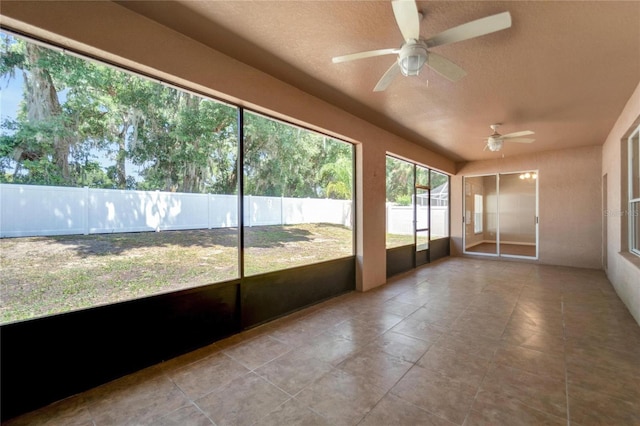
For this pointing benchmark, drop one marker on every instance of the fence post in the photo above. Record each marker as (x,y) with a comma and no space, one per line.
(85,214)
(156,208)
(208,211)
(248,209)
(281,210)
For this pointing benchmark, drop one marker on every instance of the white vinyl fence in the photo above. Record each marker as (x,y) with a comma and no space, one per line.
(400,219)
(32,210)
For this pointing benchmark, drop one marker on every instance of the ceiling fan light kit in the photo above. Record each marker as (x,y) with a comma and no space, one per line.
(412,57)
(414,52)
(496,140)
(494,144)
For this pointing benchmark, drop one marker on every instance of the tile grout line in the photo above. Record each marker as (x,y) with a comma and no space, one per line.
(566,373)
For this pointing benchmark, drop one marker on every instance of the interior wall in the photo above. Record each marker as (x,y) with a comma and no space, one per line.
(623,268)
(569,208)
(116,34)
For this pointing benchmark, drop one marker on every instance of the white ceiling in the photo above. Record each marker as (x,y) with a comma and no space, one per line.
(563,70)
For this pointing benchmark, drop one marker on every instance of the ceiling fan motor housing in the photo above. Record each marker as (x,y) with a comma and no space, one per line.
(412,57)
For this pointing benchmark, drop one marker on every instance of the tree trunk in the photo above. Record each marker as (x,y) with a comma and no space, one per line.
(43,106)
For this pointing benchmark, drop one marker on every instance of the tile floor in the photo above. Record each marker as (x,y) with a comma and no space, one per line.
(457,342)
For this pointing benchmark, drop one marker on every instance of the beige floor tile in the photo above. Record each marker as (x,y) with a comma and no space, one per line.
(585,351)
(297,333)
(256,352)
(399,345)
(481,323)
(399,308)
(190,357)
(537,321)
(588,407)
(419,329)
(490,409)
(376,366)
(244,401)
(616,383)
(188,415)
(137,403)
(472,344)
(331,348)
(293,413)
(535,362)
(359,331)
(495,303)
(436,315)
(458,366)
(516,335)
(436,394)
(341,398)
(379,318)
(541,393)
(294,370)
(392,410)
(206,375)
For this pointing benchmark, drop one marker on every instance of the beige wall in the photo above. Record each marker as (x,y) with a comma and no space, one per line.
(111,32)
(623,269)
(570,227)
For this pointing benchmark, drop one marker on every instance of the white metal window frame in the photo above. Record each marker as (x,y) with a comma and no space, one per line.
(634,203)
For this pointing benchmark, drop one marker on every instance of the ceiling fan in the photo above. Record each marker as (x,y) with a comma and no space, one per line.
(495,141)
(414,52)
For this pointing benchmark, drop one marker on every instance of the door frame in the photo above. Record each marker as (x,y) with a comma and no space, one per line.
(537,216)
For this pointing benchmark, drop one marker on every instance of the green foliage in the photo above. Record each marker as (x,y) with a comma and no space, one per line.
(404,200)
(282,160)
(82,123)
(399,181)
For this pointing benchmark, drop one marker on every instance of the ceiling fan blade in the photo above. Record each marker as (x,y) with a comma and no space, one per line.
(407,17)
(445,67)
(485,147)
(362,55)
(519,140)
(518,134)
(387,77)
(472,29)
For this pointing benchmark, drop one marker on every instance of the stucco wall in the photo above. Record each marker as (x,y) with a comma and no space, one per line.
(623,269)
(569,202)
(114,33)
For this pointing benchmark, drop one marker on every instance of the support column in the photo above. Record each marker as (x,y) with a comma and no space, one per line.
(371,256)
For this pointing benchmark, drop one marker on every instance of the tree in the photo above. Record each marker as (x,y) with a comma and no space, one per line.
(399,181)
(41,130)
(85,123)
(283,160)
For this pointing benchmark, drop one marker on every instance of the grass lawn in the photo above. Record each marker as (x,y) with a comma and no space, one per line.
(47,275)
(396,240)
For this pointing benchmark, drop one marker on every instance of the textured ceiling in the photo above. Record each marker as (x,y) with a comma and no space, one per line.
(563,70)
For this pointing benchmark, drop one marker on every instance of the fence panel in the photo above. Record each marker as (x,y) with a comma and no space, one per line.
(32,210)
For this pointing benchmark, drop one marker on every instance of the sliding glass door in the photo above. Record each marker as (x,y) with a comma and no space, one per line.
(501,215)
(481,215)
(518,214)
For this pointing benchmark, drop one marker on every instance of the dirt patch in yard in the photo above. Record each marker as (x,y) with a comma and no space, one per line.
(47,275)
